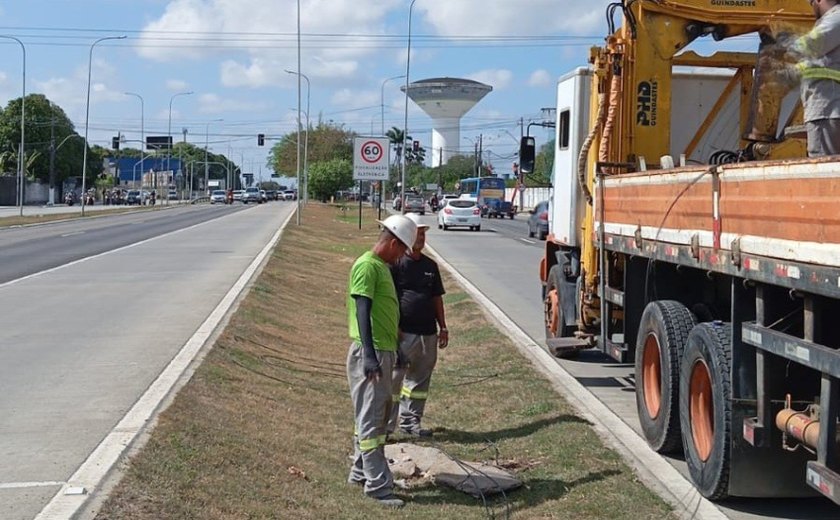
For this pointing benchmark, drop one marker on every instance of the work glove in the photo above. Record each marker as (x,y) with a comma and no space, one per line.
(371,365)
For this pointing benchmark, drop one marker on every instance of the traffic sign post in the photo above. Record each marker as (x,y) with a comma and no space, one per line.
(371,162)
(371,158)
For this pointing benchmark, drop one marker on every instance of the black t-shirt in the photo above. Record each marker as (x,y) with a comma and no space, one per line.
(417,282)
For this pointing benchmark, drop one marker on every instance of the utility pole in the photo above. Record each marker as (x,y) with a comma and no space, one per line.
(480,154)
(52,163)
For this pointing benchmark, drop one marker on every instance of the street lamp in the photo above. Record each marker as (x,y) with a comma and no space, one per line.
(405,125)
(21,163)
(298,218)
(169,126)
(306,139)
(382,100)
(206,147)
(87,114)
(142,134)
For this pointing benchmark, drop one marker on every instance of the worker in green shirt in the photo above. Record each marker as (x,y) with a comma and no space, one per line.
(373,313)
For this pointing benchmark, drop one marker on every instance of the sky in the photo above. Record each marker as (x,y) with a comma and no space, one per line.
(231,55)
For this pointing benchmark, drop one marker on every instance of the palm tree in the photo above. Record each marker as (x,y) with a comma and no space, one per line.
(397,138)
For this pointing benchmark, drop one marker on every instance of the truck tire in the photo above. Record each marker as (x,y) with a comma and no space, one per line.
(555,324)
(706,408)
(541,235)
(530,231)
(663,332)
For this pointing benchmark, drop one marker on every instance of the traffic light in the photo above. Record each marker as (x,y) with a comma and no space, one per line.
(416,146)
(527,152)
(115,143)
(260,139)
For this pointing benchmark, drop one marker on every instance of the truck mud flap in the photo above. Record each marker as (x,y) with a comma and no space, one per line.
(765,472)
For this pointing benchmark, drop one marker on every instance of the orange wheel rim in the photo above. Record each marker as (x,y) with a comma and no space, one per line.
(701,410)
(552,314)
(652,376)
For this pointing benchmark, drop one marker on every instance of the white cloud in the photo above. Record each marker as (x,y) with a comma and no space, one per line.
(355,98)
(540,78)
(514,18)
(176,85)
(257,40)
(215,104)
(499,79)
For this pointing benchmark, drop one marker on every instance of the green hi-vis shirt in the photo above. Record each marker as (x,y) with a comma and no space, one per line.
(371,277)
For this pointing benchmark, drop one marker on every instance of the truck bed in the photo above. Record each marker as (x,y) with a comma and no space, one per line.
(780,217)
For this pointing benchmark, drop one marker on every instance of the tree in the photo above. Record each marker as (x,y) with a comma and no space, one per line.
(328,177)
(47,126)
(397,138)
(543,165)
(327,141)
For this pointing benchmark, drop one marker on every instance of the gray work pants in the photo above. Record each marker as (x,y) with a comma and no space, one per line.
(411,386)
(371,406)
(823,137)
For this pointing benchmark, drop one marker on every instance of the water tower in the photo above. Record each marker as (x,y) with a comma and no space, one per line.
(446,100)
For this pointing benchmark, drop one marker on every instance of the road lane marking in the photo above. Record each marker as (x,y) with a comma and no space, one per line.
(73,234)
(89,476)
(85,259)
(24,485)
(655,471)
(527,241)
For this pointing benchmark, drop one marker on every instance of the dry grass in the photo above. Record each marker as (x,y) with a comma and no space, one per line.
(264,428)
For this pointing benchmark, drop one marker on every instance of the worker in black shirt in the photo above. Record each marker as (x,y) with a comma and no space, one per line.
(423,330)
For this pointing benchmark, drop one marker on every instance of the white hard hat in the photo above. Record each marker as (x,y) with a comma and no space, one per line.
(416,219)
(401,227)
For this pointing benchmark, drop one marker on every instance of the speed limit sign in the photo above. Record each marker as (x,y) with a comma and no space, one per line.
(370,158)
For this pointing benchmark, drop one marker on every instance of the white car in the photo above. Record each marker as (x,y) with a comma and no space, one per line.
(460,212)
(217,196)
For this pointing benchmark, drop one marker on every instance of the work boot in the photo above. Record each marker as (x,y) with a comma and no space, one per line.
(391,501)
(418,432)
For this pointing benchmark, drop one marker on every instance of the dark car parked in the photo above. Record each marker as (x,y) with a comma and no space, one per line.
(538,221)
(415,203)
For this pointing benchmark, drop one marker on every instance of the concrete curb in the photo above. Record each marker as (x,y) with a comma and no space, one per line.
(653,470)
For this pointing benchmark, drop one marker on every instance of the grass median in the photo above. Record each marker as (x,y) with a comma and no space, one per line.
(263,429)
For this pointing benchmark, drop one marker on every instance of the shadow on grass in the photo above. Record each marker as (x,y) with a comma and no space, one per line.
(523,430)
(532,493)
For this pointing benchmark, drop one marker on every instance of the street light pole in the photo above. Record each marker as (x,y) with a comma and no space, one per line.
(298,109)
(405,125)
(21,163)
(206,147)
(142,137)
(87,114)
(169,128)
(382,100)
(306,138)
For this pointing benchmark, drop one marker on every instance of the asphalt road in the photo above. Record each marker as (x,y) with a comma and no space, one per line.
(31,249)
(504,264)
(80,343)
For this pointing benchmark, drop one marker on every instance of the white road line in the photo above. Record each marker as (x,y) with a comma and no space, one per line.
(653,470)
(24,485)
(527,241)
(73,234)
(84,482)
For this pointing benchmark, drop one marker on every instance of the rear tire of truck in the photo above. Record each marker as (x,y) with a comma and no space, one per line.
(541,235)
(663,332)
(706,409)
(555,320)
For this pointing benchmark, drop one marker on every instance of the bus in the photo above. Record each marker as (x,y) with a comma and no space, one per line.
(489,193)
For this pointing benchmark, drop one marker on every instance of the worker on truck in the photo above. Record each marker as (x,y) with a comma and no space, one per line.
(818,53)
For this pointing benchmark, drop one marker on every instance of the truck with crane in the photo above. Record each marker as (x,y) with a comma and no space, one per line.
(691,235)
